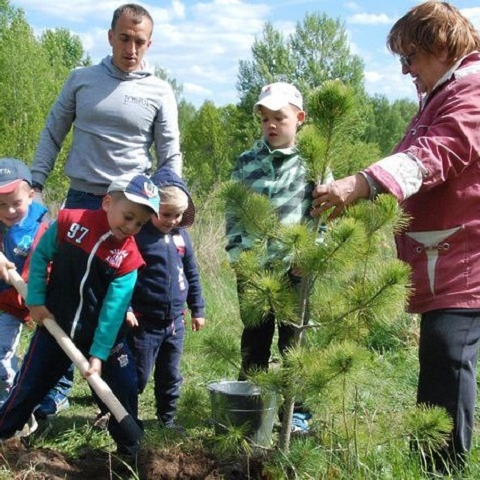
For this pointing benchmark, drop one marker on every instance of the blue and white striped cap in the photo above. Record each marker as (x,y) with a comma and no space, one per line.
(138,188)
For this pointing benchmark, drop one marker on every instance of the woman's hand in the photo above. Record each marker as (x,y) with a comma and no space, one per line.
(338,194)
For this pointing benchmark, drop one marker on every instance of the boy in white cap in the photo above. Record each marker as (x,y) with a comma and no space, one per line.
(22,222)
(94,261)
(274,168)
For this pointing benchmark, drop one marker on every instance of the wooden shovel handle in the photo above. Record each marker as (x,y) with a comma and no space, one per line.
(103,391)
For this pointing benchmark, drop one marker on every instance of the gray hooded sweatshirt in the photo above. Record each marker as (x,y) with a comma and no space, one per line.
(116,117)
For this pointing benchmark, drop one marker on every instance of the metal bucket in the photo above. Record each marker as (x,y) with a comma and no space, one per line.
(246,405)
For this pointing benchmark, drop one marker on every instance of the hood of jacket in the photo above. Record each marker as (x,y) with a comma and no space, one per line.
(144,71)
(166,177)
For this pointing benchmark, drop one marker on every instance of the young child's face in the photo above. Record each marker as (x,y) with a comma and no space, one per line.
(14,206)
(169,217)
(125,218)
(280,127)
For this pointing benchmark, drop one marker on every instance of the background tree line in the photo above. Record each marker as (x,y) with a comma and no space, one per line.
(33,70)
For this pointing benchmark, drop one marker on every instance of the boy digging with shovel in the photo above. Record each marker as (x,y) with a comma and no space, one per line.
(94,262)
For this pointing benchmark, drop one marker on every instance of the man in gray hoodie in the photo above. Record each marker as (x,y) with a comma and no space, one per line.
(118,110)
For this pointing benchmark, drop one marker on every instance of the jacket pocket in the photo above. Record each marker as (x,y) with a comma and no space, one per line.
(439,260)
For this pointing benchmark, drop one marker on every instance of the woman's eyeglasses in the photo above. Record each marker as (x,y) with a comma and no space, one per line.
(406,60)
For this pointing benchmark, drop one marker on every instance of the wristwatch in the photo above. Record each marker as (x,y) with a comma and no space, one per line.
(374,187)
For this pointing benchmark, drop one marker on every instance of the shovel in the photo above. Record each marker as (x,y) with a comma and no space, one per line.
(104,392)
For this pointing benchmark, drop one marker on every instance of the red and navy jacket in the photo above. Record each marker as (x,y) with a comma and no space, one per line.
(17,243)
(91,280)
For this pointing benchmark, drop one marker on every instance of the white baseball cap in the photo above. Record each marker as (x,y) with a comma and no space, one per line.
(277,95)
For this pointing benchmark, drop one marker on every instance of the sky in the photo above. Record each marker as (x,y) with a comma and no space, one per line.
(200,42)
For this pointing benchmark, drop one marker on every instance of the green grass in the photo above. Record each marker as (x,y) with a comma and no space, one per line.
(357,431)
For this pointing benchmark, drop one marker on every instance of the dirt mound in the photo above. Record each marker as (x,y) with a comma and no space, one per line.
(165,466)
(45,464)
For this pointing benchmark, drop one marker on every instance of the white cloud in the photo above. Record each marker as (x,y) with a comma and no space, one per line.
(196,89)
(178,8)
(284,26)
(352,6)
(473,14)
(65,12)
(92,39)
(204,56)
(369,19)
(231,15)
(373,77)
(102,10)
(389,81)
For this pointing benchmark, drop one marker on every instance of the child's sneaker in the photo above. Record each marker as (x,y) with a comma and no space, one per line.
(52,405)
(101,421)
(173,426)
(30,427)
(300,422)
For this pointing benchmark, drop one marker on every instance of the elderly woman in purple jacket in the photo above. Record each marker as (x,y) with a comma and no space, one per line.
(435,173)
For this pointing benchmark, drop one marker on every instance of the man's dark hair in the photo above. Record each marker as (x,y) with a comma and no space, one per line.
(137,12)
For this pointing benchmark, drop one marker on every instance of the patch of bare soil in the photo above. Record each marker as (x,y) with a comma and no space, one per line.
(45,464)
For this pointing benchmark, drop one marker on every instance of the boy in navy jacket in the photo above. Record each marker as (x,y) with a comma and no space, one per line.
(168,283)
